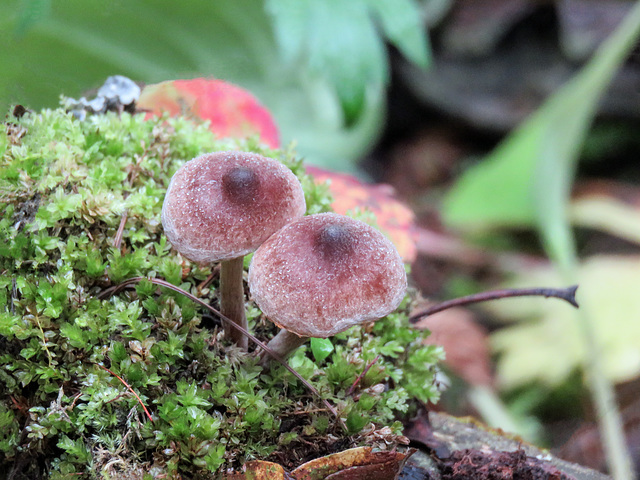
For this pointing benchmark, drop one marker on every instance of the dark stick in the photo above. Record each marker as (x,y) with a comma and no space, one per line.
(567,294)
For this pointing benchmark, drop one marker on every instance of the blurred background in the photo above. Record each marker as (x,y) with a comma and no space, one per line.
(511,128)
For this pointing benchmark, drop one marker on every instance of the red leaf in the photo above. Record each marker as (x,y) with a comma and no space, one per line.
(232,111)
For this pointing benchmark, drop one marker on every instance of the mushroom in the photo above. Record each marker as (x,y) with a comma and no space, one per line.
(221,206)
(322,274)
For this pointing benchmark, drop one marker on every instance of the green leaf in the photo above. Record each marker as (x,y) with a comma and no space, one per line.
(232,41)
(403,26)
(356,421)
(118,352)
(31,12)
(556,164)
(526,180)
(338,41)
(321,348)
(74,334)
(78,451)
(290,19)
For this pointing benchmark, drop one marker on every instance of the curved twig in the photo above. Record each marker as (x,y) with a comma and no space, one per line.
(567,294)
(156,281)
(144,407)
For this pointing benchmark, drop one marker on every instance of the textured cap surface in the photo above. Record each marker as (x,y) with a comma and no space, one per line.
(324,273)
(224,205)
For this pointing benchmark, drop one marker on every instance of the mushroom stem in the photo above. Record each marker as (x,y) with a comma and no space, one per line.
(232,299)
(283,344)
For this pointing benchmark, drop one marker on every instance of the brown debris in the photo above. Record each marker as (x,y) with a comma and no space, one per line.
(473,464)
(354,464)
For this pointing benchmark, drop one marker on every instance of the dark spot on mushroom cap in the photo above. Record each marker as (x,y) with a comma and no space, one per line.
(205,225)
(241,185)
(323,273)
(333,242)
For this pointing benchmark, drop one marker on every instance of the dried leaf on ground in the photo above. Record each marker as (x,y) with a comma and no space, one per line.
(464,341)
(353,464)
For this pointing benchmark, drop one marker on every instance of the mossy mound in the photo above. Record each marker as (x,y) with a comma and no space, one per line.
(80,209)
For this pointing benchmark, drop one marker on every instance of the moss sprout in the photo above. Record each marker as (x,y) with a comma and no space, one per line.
(80,209)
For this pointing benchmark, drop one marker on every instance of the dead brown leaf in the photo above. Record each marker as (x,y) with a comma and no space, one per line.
(465,344)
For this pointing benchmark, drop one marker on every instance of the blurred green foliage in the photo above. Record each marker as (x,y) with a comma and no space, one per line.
(320,66)
(526,182)
(527,179)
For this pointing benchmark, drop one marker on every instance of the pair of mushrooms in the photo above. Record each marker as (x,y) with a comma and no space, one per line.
(313,276)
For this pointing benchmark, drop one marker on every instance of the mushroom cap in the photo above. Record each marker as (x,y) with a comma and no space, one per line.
(223,205)
(324,273)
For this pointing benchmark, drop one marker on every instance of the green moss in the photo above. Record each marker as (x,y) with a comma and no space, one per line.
(68,191)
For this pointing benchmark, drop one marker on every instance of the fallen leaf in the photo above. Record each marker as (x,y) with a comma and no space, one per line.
(232,111)
(354,464)
(392,216)
(544,344)
(465,343)
(260,470)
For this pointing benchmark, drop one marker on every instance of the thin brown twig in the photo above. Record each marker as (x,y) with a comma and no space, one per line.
(567,294)
(156,281)
(305,412)
(361,376)
(130,389)
(75,399)
(118,238)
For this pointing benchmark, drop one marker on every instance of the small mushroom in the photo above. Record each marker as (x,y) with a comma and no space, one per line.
(322,274)
(221,206)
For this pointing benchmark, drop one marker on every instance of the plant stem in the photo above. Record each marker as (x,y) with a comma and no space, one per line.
(232,299)
(568,294)
(609,417)
(284,343)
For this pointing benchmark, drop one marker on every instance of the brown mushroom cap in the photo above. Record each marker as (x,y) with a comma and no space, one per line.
(223,205)
(323,273)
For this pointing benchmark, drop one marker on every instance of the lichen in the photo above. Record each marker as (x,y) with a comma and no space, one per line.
(80,209)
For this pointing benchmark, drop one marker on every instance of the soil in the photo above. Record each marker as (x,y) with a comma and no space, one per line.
(475,464)
(456,449)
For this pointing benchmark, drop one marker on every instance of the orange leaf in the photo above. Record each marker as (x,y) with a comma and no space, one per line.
(393,216)
(259,470)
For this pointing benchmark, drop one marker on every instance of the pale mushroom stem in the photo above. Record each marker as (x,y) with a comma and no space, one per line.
(283,344)
(232,299)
